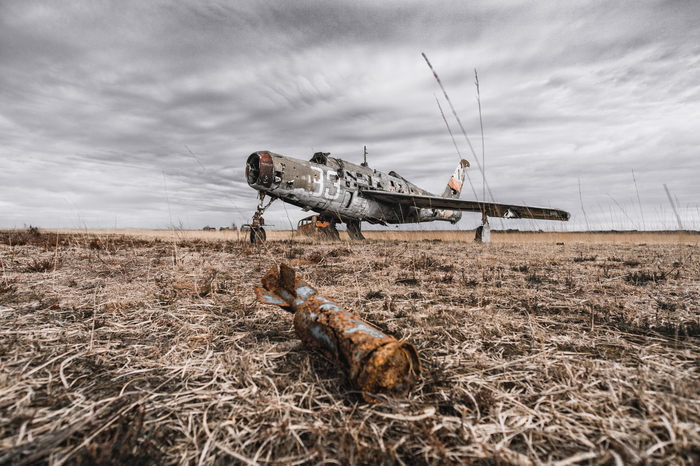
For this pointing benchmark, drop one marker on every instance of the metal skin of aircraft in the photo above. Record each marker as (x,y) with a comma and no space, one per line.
(343,192)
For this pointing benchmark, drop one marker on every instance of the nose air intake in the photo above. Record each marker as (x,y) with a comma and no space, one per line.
(259,169)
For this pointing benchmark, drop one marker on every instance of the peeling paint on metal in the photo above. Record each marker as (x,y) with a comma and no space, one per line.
(361,327)
(272,299)
(320,335)
(304,292)
(375,362)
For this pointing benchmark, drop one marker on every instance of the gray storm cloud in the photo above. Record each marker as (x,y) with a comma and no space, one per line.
(102,103)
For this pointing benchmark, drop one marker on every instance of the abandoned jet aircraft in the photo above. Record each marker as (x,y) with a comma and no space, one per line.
(342,192)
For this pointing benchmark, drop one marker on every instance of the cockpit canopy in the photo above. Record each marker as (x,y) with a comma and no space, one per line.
(320,158)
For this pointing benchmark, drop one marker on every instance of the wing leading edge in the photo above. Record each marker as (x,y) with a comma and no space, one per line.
(491,209)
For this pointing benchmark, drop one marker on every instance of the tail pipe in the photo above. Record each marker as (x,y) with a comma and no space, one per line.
(374,362)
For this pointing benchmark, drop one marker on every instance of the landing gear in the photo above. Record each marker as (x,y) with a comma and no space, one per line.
(354,231)
(257,232)
(483,232)
(479,232)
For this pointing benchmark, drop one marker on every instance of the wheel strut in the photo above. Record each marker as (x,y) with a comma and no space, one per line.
(257,232)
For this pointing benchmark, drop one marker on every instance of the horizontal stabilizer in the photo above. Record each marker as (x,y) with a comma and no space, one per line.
(489,208)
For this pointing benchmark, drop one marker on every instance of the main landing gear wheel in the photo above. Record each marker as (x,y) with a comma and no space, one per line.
(483,231)
(257,234)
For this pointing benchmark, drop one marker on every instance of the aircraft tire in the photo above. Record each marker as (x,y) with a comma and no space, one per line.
(257,235)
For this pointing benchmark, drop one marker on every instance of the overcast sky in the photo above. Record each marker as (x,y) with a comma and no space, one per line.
(101,103)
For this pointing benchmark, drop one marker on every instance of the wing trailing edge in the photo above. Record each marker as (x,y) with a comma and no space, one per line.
(491,209)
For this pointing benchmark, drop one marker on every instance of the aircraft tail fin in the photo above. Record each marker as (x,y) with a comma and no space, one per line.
(454,186)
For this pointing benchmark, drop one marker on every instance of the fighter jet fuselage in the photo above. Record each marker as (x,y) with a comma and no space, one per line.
(343,192)
(334,188)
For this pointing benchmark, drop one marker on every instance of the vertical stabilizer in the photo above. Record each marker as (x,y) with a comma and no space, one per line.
(454,186)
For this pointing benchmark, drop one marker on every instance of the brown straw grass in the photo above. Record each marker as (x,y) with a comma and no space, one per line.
(133,349)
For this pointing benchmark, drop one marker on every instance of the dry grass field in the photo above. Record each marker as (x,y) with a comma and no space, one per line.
(149,348)
(467,236)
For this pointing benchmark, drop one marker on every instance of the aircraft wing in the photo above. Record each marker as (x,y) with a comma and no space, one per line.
(491,209)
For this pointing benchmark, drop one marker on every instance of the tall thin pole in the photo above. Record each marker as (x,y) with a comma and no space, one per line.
(454,112)
(483,152)
(455,143)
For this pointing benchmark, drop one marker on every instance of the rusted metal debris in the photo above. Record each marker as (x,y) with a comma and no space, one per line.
(374,362)
(319,227)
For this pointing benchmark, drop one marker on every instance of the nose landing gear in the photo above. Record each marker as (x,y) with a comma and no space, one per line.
(257,232)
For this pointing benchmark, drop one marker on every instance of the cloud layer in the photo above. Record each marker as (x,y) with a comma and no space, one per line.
(102,103)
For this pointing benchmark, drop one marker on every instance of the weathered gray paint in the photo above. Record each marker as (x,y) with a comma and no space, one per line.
(332,189)
(346,192)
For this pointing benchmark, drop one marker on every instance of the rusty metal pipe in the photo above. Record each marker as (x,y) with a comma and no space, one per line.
(374,362)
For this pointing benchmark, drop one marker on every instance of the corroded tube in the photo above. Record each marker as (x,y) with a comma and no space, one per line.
(374,362)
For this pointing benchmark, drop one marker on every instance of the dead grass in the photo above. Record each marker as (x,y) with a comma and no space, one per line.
(387,234)
(134,349)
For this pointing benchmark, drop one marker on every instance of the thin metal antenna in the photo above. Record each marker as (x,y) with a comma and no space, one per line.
(481,124)
(454,112)
(455,143)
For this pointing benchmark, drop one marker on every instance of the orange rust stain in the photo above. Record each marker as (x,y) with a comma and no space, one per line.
(455,184)
(374,362)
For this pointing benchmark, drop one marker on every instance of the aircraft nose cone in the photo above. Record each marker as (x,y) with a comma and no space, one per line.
(259,169)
